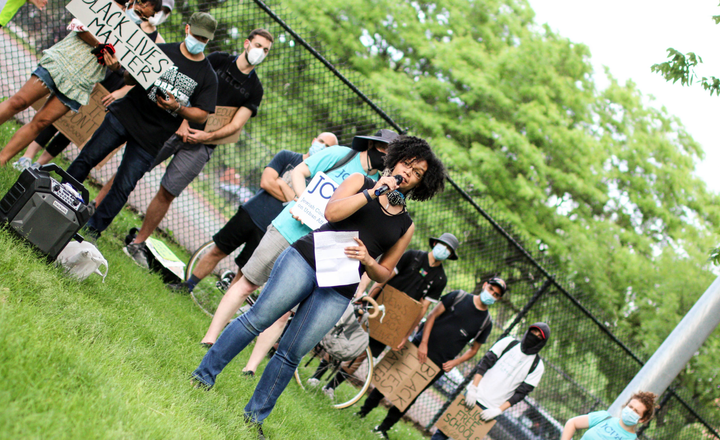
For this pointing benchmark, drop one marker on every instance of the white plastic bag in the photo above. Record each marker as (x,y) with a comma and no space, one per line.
(82,259)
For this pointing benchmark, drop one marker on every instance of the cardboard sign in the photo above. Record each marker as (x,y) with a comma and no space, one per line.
(310,207)
(461,423)
(401,312)
(219,119)
(137,53)
(400,377)
(80,126)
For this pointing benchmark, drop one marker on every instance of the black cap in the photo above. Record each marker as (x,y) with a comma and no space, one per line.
(497,281)
(360,143)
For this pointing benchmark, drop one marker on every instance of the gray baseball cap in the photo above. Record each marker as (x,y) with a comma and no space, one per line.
(360,143)
(203,24)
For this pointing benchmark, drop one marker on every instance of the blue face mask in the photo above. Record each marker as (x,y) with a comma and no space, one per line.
(487,298)
(193,45)
(132,15)
(316,148)
(441,252)
(629,417)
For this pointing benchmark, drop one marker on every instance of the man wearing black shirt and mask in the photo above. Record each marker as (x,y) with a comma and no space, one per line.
(238,86)
(418,274)
(506,374)
(145,119)
(458,319)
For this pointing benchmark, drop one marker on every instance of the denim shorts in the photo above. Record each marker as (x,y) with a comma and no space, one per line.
(43,75)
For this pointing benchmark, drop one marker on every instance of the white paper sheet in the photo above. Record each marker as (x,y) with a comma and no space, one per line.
(332,266)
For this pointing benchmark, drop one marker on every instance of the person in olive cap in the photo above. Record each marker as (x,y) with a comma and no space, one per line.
(145,119)
(506,374)
(458,319)
(418,274)
(367,156)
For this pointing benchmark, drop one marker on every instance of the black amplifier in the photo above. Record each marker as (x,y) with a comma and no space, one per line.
(43,211)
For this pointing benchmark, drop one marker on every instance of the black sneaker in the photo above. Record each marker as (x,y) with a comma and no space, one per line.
(180,287)
(130,237)
(380,432)
(139,253)
(254,425)
(360,414)
(261,434)
(91,234)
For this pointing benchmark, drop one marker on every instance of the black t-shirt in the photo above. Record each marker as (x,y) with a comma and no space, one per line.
(377,230)
(236,89)
(417,278)
(193,83)
(263,207)
(454,328)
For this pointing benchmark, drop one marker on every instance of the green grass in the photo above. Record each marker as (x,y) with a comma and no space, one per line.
(111,360)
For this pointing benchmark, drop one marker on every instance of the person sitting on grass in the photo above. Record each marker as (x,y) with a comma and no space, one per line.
(640,408)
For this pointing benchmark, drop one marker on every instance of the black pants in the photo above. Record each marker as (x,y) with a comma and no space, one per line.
(394,414)
(58,144)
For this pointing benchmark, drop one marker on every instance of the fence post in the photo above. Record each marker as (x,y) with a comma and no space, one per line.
(536,296)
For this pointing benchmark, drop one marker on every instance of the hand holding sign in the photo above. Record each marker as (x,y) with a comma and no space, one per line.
(310,207)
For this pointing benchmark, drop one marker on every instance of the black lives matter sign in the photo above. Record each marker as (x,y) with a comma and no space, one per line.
(137,53)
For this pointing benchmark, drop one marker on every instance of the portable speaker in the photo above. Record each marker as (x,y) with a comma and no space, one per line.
(43,211)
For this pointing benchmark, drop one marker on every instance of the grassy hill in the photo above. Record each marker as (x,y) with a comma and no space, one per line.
(112,360)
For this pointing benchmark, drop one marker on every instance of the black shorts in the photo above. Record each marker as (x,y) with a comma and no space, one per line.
(240,229)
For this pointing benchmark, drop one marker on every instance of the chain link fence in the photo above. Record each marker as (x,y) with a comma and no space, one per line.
(308,92)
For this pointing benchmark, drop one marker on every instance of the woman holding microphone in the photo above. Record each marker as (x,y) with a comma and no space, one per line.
(383,227)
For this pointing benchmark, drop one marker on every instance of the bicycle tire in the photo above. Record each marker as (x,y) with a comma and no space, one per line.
(351,390)
(206,295)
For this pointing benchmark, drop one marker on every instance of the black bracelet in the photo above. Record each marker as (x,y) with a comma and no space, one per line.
(367,195)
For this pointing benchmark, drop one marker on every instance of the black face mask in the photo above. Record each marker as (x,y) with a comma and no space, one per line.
(530,343)
(377,159)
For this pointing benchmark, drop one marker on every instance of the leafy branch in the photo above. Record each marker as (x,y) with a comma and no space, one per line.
(680,67)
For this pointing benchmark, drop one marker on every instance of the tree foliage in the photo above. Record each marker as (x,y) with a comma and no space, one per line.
(604,183)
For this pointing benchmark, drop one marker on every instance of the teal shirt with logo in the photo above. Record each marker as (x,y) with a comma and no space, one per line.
(604,427)
(292,229)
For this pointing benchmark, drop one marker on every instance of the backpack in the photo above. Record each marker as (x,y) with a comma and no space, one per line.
(80,260)
(348,339)
(459,297)
(512,344)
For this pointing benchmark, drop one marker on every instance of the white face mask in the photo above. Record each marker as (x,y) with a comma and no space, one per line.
(158,19)
(255,55)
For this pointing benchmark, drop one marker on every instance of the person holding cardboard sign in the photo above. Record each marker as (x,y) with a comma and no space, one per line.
(67,72)
(145,119)
(508,372)
(357,208)
(366,157)
(191,147)
(418,275)
(55,142)
(458,319)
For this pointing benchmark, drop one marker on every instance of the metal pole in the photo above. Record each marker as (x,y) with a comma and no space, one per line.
(682,344)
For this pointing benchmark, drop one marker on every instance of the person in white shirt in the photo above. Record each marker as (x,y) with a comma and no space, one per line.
(506,374)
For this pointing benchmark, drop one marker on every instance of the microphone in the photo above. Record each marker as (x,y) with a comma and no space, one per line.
(383,189)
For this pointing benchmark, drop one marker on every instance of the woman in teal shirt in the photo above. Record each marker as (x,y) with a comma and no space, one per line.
(639,409)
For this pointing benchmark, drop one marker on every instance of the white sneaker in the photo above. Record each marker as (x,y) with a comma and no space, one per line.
(329,392)
(313,382)
(22,163)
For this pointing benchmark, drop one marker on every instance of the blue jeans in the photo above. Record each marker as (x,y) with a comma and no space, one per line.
(292,282)
(135,163)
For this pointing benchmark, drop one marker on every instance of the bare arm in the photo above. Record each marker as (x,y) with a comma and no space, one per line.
(88,38)
(429,323)
(298,176)
(449,365)
(382,271)
(572,425)
(192,114)
(362,286)
(270,182)
(236,124)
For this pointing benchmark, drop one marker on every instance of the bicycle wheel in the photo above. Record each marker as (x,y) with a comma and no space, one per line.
(208,292)
(355,376)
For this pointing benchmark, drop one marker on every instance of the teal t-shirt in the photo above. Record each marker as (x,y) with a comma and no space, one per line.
(292,229)
(604,427)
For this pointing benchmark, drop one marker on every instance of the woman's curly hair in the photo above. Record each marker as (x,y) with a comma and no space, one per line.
(647,398)
(415,148)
